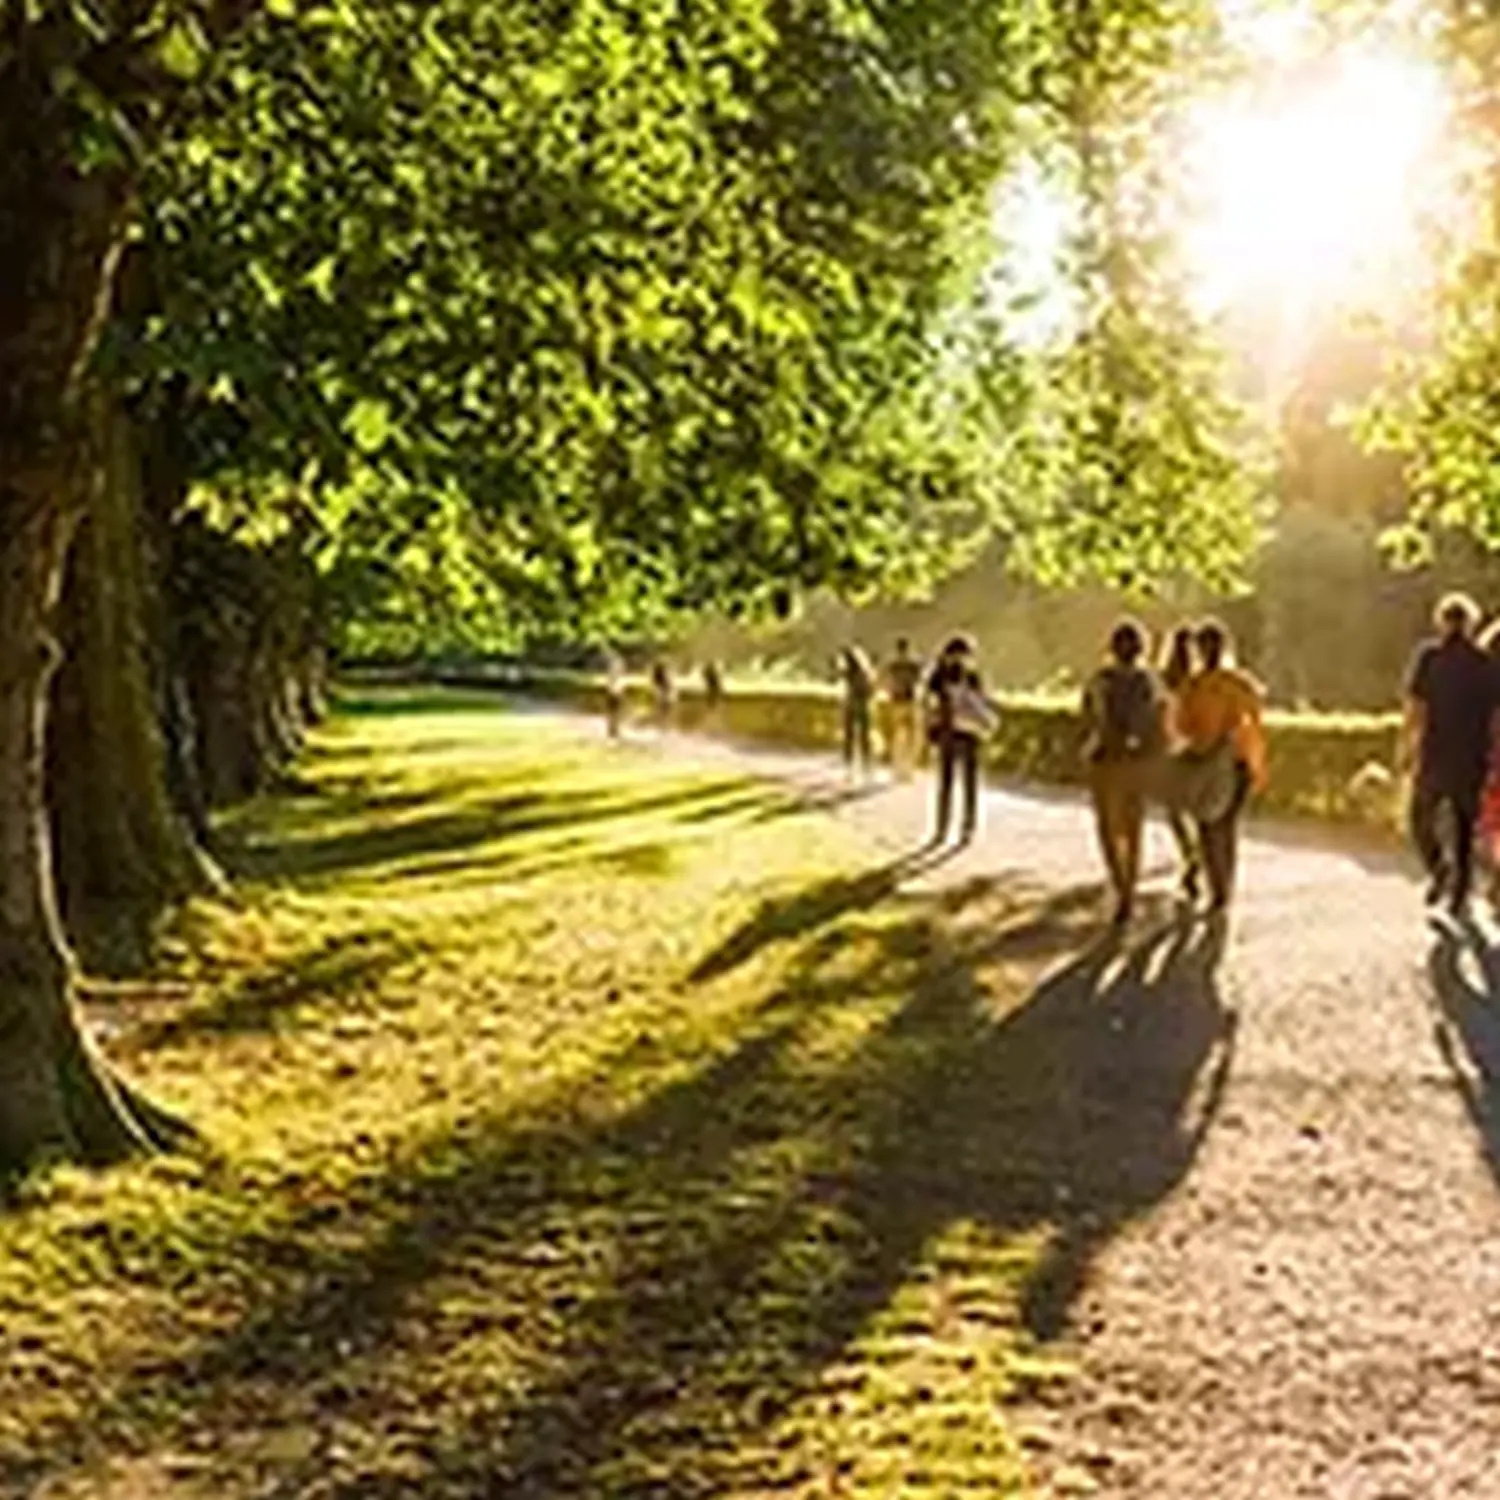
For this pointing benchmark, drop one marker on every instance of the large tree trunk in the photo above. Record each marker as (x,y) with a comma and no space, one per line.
(123,849)
(55,1097)
(60,237)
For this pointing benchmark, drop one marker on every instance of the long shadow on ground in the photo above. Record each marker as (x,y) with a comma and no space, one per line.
(333,971)
(670,1282)
(432,842)
(1465,975)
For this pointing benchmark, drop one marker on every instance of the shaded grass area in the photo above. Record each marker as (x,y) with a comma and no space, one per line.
(583,1125)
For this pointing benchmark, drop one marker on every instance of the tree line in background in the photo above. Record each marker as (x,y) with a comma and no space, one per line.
(390,324)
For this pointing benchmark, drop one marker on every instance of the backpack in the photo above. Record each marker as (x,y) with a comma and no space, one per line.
(1129,715)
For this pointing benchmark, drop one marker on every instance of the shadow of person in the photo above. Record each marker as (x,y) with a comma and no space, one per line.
(782,920)
(1465,976)
(1080,1107)
(1118,1066)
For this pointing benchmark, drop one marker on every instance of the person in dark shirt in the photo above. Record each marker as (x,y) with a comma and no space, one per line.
(858,678)
(1123,714)
(952,683)
(1451,697)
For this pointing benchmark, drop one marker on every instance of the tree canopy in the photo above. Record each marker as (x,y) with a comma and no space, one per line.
(582,315)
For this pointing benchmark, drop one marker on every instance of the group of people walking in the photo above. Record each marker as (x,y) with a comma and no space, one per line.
(1189,734)
(1186,733)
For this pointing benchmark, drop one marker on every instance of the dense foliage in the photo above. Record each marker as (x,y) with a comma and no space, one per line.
(583,316)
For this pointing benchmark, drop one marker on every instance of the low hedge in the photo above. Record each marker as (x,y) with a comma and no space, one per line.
(1315,758)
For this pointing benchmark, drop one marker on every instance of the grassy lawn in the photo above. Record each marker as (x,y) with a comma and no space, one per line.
(578,1124)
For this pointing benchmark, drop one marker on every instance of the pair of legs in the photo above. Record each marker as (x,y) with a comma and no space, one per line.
(857,734)
(1119,791)
(1189,850)
(1219,842)
(958,762)
(901,738)
(1451,870)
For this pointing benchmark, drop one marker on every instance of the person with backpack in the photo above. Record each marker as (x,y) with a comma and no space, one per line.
(959,717)
(1123,712)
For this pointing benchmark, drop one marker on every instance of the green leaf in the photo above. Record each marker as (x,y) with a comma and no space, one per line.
(183,50)
(369,424)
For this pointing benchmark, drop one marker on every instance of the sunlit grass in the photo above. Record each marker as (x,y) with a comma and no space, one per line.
(575,1124)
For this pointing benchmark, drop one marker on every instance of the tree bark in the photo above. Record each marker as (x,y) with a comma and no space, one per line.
(60,237)
(56,1098)
(123,850)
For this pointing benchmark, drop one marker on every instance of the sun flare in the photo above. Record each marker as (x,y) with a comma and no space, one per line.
(1315,189)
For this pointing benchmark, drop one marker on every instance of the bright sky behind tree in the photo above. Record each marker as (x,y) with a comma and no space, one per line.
(1306,186)
(1314,185)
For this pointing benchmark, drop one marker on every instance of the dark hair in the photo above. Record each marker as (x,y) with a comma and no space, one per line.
(1177,664)
(902,643)
(1212,640)
(1456,614)
(1127,642)
(958,645)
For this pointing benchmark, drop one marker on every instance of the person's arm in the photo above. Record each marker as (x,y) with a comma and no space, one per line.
(1414,715)
(1258,756)
(1088,707)
(1413,730)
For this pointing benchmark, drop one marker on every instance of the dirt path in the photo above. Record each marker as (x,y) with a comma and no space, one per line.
(1314,1310)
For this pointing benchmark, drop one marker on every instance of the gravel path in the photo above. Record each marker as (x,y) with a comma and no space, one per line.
(1314,1308)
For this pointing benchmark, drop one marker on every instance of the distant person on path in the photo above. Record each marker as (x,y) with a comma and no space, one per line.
(858,678)
(1223,739)
(959,717)
(713,695)
(662,694)
(1177,667)
(1123,712)
(614,692)
(903,681)
(1450,703)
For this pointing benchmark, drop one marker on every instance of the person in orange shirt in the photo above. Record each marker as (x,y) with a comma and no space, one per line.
(1219,712)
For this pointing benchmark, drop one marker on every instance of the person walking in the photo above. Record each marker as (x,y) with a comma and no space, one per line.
(903,679)
(662,694)
(959,717)
(713,696)
(858,678)
(1177,667)
(1219,719)
(614,692)
(1451,697)
(1123,713)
